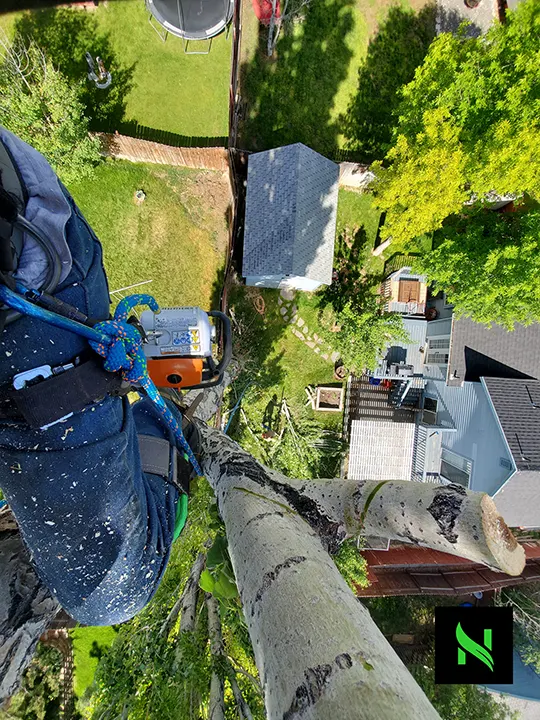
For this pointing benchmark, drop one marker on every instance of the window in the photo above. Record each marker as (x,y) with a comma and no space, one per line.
(505,463)
(429,416)
(455,469)
(439,343)
(437,359)
(437,353)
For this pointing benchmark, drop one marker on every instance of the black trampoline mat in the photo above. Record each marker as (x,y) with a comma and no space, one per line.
(192,18)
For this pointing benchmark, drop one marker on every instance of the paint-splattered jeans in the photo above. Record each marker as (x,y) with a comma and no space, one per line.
(98,528)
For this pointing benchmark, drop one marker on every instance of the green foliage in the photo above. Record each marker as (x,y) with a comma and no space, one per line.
(469,125)
(40,106)
(139,673)
(218,577)
(39,696)
(305,448)
(351,565)
(454,702)
(525,601)
(365,332)
(425,181)
(488,265)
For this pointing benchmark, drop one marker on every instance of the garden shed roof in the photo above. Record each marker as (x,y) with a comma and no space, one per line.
(291,209)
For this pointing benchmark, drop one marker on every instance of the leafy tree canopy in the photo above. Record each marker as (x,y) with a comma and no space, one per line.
(468,125)
(39,105)
(488,264)
(365,332)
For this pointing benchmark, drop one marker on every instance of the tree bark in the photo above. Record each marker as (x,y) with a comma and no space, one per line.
(26,606)
(216,705)
(271,27)
(442,517)
(319,653)
(187,601)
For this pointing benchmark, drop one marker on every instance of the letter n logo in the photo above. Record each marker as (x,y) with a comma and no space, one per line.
(468,645)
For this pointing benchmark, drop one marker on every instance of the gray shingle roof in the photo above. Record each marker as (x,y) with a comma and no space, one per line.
(517,404)
(478,351)
(291,208)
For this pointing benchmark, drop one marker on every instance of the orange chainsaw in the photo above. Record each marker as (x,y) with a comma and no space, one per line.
(179,346)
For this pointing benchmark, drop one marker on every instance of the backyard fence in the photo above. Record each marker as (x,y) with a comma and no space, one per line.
(143,132)
(138,150)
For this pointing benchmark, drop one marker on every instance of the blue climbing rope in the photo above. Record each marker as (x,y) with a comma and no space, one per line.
(118,342)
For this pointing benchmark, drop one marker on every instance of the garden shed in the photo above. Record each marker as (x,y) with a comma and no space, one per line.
(290,222)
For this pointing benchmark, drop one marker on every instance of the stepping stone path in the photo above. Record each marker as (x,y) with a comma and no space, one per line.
(289,314)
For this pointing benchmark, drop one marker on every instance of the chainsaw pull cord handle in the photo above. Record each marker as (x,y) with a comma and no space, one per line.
(119,342)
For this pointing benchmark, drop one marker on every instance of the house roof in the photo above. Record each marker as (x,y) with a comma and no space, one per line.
(517,405)
(291,210)
(479,351)
(381,450)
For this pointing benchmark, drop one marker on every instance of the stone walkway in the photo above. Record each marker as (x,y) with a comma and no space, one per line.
(289,313)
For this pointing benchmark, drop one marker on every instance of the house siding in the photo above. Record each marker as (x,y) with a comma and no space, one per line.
(477,436)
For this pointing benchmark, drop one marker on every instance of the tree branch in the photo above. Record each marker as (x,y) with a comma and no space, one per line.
(26,606)
(181,605)
(318,651)
(442,517)
(216,708)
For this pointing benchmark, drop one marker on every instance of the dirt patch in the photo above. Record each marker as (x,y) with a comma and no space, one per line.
(207,198)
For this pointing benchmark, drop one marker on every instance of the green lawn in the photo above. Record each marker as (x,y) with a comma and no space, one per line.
(88,644)
(173,232)
(340,50)
(276,366)
(159,85)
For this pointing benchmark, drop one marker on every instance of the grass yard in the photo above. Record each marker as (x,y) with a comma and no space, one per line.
(89,643)
(179,227)
(357,224)
(342,51)
(154,82)
(276,366)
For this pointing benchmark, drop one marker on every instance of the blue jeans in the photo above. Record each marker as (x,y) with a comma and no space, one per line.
(98,528)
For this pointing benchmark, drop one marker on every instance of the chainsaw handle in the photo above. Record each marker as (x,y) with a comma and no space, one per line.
(226,341)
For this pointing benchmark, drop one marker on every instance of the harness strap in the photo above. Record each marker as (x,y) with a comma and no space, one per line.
(60,395)
(160,458)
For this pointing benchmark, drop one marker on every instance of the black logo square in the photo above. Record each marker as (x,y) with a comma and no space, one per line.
(473,645)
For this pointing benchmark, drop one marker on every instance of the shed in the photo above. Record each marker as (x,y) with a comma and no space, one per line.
(290,221)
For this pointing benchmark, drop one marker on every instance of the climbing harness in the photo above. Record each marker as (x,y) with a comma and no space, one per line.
(116,340)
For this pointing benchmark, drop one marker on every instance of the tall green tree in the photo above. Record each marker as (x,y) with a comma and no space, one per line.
(42,107)
(488,264)
(365,333)
(468,126)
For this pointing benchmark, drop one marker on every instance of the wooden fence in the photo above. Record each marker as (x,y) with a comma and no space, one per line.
(137,150)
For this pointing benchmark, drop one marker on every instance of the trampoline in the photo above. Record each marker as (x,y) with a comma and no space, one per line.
(191,19)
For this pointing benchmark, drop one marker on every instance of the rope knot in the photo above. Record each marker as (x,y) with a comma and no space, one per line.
(124,352)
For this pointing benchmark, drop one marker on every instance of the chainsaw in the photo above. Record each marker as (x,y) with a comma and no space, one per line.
(179,345)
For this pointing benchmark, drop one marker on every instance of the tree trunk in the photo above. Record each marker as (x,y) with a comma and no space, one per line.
(271,29)
(26,606)
(319,653)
